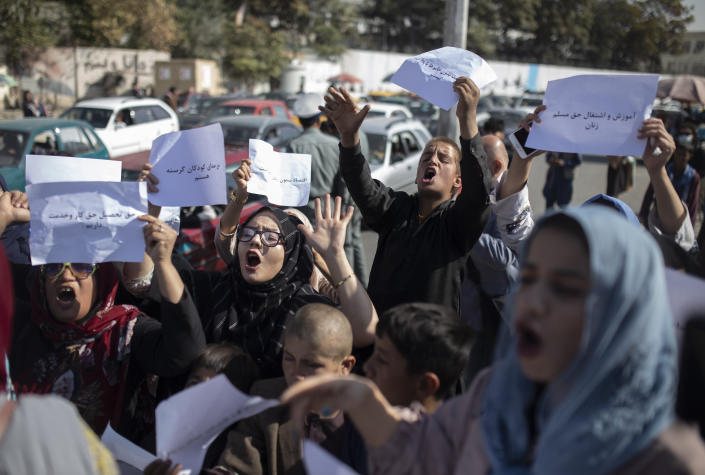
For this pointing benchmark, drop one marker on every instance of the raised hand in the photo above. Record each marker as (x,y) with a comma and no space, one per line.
(329,237)
(11,213)
(343,112)
(469,96)
(152,182)
(242,176)
(659,144)
(159,239)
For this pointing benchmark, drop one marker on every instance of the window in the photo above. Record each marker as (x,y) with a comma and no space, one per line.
(73,141)
(699,46)
(288,132)
(398,114)
(686,47)
(279,111)
(92,138)
(378,147)
(398,153)
(159,113)
(124,117)
(98,118)
(45,143)
(12,146)
(265,111)
(411,145)
(142,115)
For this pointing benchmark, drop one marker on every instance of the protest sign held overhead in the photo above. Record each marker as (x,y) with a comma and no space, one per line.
(50,169)
(190,166)
(595,114)
(86,222)
(285,178)
(431,75)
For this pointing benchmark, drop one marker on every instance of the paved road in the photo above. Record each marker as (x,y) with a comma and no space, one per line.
(590,179)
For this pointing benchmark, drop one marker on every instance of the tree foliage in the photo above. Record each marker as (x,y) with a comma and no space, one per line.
(619,34)
(24,33)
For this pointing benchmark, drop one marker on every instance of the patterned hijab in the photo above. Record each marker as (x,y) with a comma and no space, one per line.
(617,395)
(86,362)
(254,316)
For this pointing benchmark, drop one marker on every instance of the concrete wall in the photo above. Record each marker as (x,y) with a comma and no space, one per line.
(70,72)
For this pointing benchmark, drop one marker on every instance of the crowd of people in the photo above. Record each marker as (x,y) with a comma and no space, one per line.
(484,342)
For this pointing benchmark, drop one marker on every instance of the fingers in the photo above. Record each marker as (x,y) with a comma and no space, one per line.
(338,205)
(530,118)
(348,98)
(319,214)
(348,214)
(19,199)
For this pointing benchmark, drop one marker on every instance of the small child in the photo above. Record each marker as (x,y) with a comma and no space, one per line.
(317,340)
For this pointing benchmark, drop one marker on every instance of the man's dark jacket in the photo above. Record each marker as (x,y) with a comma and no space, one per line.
(419,262)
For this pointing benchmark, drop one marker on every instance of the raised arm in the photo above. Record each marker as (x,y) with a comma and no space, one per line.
(372,198)
(670,209)
(468,216)
(328,240)
(227,227)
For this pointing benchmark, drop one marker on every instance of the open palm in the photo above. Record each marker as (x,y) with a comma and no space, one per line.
(342,110)
(329,236)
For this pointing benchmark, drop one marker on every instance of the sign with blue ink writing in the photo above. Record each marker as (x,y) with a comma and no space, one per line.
(285,178)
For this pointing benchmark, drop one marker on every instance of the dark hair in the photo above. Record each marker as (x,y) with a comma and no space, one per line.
(309,121)
(493,125)
(232,360)
(431,338)
(563,223)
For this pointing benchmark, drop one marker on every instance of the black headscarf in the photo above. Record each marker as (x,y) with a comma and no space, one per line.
(255,316)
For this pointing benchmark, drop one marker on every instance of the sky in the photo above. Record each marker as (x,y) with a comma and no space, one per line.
(698,13)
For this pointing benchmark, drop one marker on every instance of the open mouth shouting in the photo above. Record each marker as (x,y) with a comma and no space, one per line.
(428,175)
(65,296)
(252,260)
(529,342)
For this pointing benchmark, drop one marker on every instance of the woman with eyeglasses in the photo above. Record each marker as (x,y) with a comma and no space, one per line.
(268,279)
(77,343)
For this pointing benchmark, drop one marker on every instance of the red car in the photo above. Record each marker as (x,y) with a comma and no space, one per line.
(251,107)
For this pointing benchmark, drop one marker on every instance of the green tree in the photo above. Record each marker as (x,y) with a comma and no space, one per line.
(253,52)
(24,33)
(201,25)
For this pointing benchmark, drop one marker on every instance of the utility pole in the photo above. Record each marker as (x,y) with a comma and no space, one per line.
(455,34)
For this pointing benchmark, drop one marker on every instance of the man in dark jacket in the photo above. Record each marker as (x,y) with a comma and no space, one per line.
(425,238)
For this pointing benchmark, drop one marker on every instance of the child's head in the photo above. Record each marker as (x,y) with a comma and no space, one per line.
(226,358)
(420,352)
(317,340)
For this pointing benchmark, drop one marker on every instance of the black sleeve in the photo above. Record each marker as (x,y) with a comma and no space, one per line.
(167,348)
(467,218)
(373,199)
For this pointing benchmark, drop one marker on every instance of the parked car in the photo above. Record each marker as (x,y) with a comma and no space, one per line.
(395,149)
(126,125)
(383,109)
(250,107)
(238,130)
(44,136)
(195,113)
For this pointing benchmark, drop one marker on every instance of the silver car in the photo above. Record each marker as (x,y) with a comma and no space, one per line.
(395,149)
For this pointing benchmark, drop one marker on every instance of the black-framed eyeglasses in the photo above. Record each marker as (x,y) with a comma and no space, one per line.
(79,270)
(268,238)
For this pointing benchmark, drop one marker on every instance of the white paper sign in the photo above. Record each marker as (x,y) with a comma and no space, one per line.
(285,178)
(189,421)
(50,169)
(595,114)
(431,75)
(125,451)
(318,461)
(171,215)
(86,221)
(190,166)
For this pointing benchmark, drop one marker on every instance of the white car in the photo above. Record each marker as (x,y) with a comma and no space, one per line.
(384,109)
(395,149)
(126,124)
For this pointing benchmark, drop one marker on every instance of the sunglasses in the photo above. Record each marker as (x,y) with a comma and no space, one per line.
(268,238)
(80,271)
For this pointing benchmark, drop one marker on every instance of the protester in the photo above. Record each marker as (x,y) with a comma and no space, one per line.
(558,188)
(325,172)
(424,239)
(77,343)
(584,384)
(317,340)
(32,107)
(420,352)
(494,126)
(684,178)
(171,99)
(620,174)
